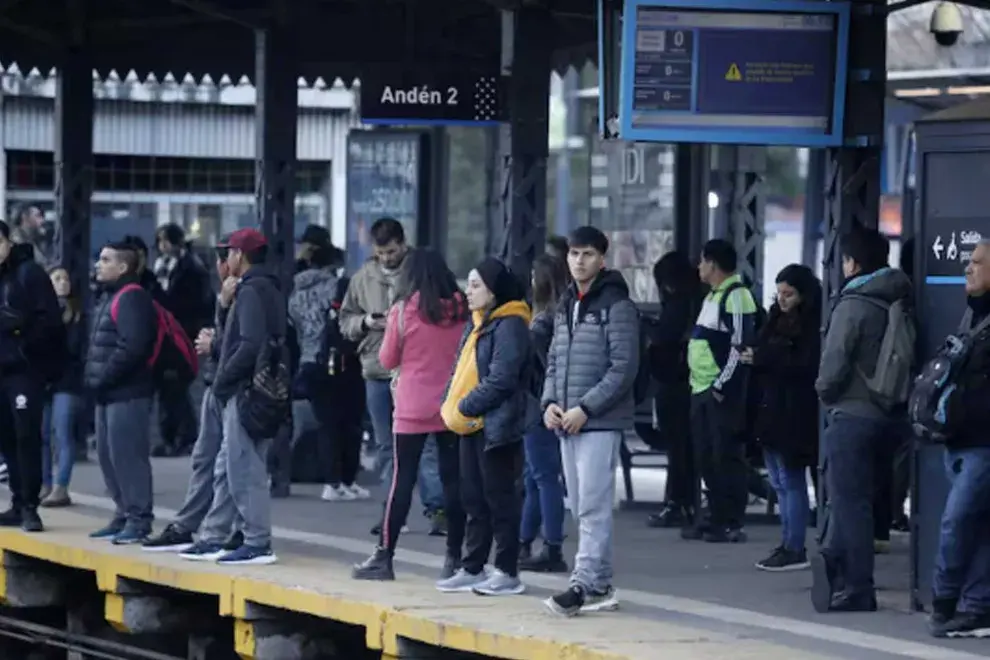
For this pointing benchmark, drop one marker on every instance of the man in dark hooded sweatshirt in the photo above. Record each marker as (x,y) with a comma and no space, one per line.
(858,427)
(30,324)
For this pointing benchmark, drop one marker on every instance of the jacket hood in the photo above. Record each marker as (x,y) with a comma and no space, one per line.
(312,277)
(20,253)
(887,284)
(260,273)
(610,284)
(511,308)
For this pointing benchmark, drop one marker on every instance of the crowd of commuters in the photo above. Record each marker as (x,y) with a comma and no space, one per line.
(498,404)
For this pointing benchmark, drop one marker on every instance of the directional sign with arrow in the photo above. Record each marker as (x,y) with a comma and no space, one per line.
(937,247)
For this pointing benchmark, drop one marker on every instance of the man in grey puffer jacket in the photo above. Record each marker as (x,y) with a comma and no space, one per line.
(588,401)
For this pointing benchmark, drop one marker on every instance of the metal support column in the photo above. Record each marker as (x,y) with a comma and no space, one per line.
(814,207)
(691,177)
(275,151)
(742,197)
(74,165)
(852,173)
(525,195)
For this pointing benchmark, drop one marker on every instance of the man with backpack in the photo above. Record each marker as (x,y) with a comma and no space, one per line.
(588,400)
(952,406)
(119,374)
(864,381)
(31,332)
(726,325)
(178,535)
(251,385)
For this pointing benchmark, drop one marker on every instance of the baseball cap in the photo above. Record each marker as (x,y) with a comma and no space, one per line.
(245,240)
(316,235)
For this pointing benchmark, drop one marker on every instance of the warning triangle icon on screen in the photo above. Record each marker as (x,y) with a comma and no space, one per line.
(733,74)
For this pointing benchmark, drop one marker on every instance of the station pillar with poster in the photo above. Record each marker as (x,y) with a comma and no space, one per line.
(953,155)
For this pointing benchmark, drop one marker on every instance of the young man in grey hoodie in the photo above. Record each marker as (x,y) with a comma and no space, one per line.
(858,427)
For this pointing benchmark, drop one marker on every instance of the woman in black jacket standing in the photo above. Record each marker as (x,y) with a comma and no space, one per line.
(681,293)
(785,360)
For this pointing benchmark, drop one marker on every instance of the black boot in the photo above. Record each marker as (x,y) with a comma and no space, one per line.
(11,517)
(376,567)
(550,560)
(672,515)
(525,551)
(943,611)
(30,520)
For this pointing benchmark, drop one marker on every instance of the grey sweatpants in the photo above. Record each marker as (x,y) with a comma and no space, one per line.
(123,447)
(589,460)
(199,494)
(240,486)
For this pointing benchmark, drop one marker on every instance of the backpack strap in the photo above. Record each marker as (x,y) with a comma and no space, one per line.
(115,303)
(967,328)
(724,318)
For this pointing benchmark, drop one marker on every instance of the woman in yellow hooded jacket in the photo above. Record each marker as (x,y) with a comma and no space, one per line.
(490,405)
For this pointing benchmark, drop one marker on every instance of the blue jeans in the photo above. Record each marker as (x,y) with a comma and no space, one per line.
(791,487)
(379,397)
(65,419)
(853,446)
(544,500)
(962,565)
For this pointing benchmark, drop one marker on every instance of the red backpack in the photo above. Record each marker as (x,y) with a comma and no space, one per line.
(174,355)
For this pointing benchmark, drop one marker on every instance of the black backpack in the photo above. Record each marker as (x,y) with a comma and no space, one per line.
(928,408)
(266,403)
(643,386)
(725,318)
(336,351)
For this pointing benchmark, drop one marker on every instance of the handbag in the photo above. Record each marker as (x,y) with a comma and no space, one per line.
(401,327)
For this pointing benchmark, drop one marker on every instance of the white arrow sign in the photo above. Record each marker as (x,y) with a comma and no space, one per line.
(937,247)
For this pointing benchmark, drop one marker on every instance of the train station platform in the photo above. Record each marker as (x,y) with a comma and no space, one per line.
(679,599)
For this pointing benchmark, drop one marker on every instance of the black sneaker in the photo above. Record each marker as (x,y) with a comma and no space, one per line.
(438,523)
(566,603)
(724,535)
(234,541)
(31,521)
(525,551)
(601,601)
(549,560)
(967,624)
(783,560)
(11,518)
(172,539)
(672,515)
(943,611)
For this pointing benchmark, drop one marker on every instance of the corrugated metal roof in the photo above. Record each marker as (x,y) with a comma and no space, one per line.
(910,45)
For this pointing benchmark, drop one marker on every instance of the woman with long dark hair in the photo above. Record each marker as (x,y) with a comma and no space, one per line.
(681,294)
(64,421)
(785,361)
(542,472)
(422,333)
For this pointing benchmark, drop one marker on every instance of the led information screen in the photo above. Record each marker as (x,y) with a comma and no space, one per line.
(746,72)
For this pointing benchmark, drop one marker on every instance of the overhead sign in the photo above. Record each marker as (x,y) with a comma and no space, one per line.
(734,71)
(431,97)
(950,251)
(384,179)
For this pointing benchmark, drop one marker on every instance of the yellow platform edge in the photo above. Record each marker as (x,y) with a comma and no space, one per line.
(384,626)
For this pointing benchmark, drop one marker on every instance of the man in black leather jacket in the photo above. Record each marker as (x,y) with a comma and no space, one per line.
(30,324)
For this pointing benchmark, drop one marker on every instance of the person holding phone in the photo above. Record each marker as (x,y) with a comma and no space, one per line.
(371,293)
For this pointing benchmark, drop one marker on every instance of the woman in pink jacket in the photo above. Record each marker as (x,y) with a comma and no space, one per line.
(422,334)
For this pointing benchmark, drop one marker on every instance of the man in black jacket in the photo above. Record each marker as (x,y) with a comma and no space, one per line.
(961,584)
(119,374)
(30,324)
(241,491)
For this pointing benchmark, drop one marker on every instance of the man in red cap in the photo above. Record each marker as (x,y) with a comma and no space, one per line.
(255,322)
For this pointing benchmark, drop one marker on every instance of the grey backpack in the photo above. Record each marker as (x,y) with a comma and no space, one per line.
(890,384)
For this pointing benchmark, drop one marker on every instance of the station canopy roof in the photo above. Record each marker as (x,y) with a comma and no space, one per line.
(335,39)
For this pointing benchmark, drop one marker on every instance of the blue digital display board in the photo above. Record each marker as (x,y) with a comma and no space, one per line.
(734,71)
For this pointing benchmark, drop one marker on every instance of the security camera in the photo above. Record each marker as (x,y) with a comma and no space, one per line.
(946,24)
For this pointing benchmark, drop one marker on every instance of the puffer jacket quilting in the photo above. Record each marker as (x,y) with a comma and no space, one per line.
(594,355)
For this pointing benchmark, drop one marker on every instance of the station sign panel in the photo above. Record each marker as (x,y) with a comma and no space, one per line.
(423,97)
(386,177)
(951,249)
(734,72)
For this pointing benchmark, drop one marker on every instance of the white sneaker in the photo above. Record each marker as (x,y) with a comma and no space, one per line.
(337,494)
(358,492)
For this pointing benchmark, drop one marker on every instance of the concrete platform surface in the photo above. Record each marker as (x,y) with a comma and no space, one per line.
(660,578)
(408,609)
